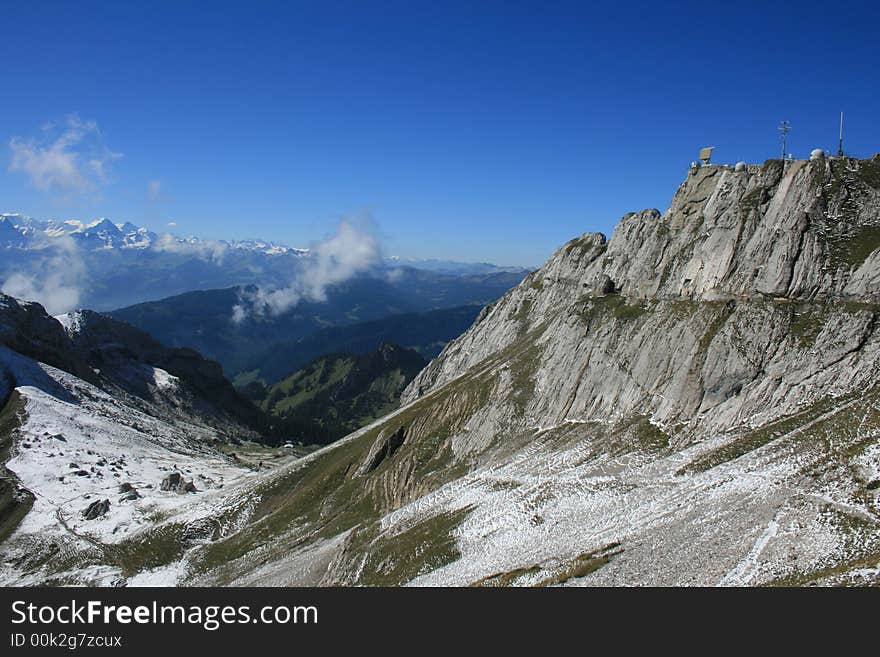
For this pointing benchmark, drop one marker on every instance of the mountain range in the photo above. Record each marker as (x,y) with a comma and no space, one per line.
(692,401)
(111,265)
(269,346)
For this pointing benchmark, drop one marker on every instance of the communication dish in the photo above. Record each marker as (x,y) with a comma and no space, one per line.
(706,153)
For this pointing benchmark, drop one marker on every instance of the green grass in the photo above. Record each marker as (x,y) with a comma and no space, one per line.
(839,425)
(807,320)
(851,250)
(14,506)
(869,172)
(753,440)
(156,547)
(397,559)
(327,497)
(508,578)
(754,199)
(306,384)
(614,305)
(648,436)
(553,574)
(723,311)
(582,565)
(523,369)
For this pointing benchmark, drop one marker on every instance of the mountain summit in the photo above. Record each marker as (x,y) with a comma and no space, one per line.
(692,401)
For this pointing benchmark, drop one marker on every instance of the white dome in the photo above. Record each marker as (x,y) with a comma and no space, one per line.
(817,154)
(740,166)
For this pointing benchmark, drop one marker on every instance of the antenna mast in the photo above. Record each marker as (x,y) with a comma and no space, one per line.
(784,128)
(840,143)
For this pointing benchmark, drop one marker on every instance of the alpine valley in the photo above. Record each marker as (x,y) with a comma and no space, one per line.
(693,400)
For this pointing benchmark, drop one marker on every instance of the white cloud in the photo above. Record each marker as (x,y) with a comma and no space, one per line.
(394,275)
(56,280)
(354,248)
(239,313)
(70,156)
(206,249)
(172,224)
(154,188)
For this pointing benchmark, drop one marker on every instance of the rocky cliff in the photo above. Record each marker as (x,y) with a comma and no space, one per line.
(754,291)
(120,359)
(693,400)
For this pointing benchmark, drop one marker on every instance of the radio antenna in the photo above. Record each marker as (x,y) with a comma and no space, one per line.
(840,143)
(784,128)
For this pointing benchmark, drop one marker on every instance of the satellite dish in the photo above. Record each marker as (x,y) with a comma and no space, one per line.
(706,154)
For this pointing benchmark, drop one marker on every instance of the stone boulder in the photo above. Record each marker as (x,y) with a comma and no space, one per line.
(96,509)
(176,483)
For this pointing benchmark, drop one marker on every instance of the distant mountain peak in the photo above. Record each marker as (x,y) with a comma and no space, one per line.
(103,233)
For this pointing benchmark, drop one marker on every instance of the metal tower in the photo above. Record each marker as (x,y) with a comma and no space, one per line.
(784,128)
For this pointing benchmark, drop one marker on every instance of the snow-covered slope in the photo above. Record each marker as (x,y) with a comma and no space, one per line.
(76,445)
(118,470)
(694,401)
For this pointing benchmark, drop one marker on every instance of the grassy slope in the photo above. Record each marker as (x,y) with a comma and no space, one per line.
(336,394)
(327,499)
(426,333)
(13,504)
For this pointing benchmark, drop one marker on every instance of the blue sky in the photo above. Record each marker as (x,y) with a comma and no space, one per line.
(475,131)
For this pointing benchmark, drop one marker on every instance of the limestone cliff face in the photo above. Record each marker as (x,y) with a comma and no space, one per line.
(754,293)
(694,400)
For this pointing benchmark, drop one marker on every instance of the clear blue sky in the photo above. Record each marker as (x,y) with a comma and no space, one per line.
(475,131)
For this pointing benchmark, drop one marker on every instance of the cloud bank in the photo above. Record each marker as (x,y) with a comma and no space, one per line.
(209,250)
(55,281)
(352,249)
(70,156)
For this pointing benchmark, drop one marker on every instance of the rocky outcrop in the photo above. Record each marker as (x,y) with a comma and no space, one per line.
(692,401)
(96,509)
(111,346)
(176,483)
(120,358)
(755,290)
(386,444)
(128,493)
(25,327)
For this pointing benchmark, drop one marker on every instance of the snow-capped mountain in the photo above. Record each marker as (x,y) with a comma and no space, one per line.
(10,235)
(692,401)
(105,265)
(22,232)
